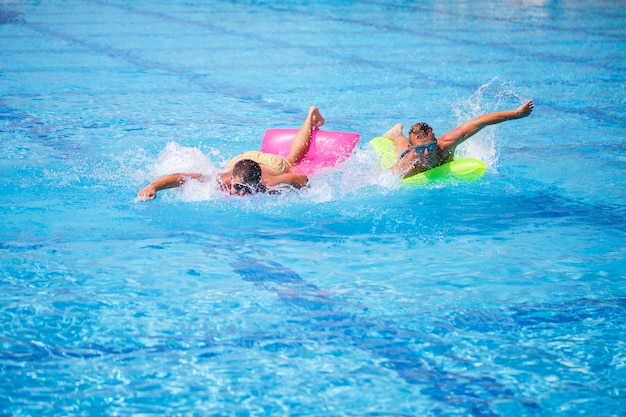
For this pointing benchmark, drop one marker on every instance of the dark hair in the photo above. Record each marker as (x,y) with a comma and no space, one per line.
(248,171)
(420,129)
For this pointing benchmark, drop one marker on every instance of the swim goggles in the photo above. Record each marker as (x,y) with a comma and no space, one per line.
(243,187)
(431,147)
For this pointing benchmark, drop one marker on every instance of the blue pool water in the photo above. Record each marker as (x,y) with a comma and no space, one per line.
(501,297)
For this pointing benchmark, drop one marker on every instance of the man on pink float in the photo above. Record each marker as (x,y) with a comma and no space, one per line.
(253,171)
(422,151)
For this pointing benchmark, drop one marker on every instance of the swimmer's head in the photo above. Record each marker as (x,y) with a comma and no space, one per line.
(420,129)
(247,174)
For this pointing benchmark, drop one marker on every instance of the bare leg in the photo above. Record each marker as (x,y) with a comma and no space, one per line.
(399,140)
(300,143)
(394,132)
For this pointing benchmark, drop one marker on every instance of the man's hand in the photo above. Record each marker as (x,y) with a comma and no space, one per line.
(147,193)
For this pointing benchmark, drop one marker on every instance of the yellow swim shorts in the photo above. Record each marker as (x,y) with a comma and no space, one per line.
(279,164)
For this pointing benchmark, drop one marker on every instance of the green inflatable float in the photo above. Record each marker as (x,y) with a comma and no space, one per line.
(464,169)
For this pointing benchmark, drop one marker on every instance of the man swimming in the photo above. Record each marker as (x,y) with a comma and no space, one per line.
(253,171)
(421,150)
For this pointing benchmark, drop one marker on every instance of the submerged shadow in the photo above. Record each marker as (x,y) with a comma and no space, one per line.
(337,322)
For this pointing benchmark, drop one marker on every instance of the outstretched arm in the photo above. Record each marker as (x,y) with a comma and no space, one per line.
(469,129)
(149,192)
(295,180)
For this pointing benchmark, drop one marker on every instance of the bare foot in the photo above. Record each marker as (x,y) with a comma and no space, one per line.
(525,109)
(316,118)
(394,132)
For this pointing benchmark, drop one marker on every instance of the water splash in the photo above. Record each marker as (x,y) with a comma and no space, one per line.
(361,173)
(177,158)
(495,95)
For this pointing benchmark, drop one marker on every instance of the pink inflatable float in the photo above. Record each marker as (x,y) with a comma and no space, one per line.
(327,148)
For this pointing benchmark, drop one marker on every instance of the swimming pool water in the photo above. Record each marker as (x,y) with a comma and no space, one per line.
(503,296)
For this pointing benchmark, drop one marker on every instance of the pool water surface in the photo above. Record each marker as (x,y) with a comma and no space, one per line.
(354,297)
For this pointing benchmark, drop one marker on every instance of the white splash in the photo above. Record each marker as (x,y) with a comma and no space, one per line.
(495,95)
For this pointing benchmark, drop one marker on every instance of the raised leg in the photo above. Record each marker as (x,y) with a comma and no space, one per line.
(394,132)
(301,142)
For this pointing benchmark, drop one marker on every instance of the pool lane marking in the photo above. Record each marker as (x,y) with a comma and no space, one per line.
(414,369)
